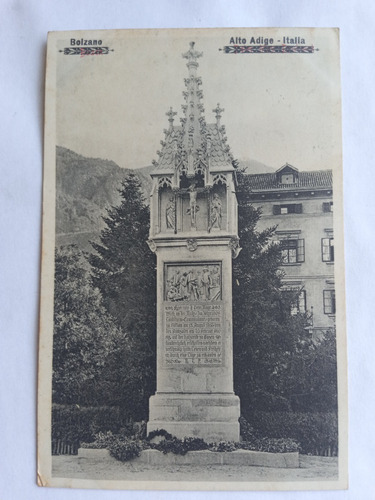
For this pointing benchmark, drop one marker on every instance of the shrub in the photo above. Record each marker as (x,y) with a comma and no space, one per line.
(174,445)
(195,444)
(222,446)
(125,449)
(102,440)
(270,445)
(317,433)
(171,444)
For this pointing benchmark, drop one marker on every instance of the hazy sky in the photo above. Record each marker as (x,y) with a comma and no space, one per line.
(278,107)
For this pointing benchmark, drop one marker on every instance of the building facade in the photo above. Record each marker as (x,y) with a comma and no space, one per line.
(300,205)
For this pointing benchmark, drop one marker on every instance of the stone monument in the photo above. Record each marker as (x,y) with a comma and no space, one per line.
(194,234)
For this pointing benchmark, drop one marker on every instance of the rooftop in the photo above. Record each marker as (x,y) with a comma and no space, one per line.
(316,179)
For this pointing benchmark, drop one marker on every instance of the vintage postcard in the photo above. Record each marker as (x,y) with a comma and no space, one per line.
(192,325)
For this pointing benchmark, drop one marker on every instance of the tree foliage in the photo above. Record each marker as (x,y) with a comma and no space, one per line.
(123,269)
(85,335)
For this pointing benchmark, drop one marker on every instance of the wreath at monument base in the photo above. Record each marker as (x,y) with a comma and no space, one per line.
(127,448)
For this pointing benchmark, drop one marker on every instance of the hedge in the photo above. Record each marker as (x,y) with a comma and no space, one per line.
(73,424)
(317,433)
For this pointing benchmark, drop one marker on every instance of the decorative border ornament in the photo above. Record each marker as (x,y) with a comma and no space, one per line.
(234,244)
(152,245)
(269,49)
(86,51)
(192,244)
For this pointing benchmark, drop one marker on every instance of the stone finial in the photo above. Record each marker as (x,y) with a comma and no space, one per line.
(171,114)
(218,110)
(192,55)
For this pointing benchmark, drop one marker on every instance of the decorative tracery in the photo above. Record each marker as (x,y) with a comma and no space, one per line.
(220,179)
(164,182)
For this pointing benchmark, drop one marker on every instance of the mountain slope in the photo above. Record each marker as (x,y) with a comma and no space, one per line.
(254,167)
(86,187)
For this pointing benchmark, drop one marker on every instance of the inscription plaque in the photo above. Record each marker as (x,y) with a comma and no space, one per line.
(193,333)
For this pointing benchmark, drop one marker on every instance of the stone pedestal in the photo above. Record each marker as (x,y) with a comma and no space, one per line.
(212,417)
(195,395)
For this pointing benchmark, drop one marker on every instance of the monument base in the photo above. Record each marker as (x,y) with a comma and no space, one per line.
(212,417)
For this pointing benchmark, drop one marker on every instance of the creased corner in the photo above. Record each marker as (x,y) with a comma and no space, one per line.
(40,480)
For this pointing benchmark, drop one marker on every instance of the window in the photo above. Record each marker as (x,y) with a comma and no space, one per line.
(287,179)
(328,250)
(328,206)
(294,208)
(329,301)
(287,174)
(292,251)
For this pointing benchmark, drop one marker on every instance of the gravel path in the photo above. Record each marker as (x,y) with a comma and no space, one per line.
(311,468)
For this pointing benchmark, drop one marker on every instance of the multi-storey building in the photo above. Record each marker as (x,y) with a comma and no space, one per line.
(300,205)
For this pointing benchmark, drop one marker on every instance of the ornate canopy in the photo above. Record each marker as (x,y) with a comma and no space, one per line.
(194,149)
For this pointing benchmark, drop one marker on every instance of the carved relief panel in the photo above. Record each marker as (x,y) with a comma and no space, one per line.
(193,314)
(193,282)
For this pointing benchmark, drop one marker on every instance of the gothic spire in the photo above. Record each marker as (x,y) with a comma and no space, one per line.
(195,145)
(193,108)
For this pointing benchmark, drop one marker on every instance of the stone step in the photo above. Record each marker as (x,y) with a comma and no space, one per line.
(205,457)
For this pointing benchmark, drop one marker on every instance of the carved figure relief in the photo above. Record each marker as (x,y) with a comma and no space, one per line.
(170,213)
(216,213)
(194,282)
(193,207)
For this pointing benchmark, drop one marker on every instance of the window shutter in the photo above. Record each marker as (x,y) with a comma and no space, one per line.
(298,208)
(301,250)
(326,256)
(333,301)
(276,210)
(326,207)
(332,250)
(329,301)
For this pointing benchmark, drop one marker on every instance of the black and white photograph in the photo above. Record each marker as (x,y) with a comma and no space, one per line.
(192,316)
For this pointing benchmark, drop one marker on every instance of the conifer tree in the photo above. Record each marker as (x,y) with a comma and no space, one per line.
(265,333)
(123,268)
